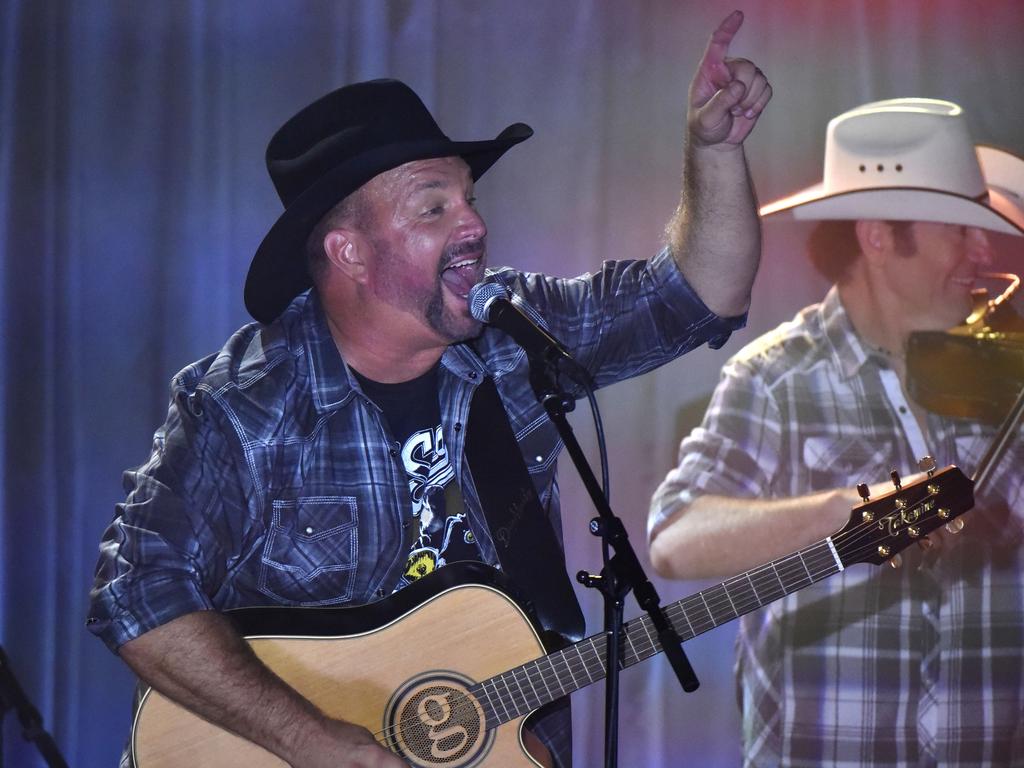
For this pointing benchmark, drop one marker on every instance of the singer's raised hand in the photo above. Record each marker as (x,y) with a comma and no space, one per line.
(727,95)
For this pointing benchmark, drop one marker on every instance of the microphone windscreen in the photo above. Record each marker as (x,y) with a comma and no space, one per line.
(480,297)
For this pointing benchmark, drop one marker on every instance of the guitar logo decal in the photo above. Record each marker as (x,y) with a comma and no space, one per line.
(433,721)
(436,703)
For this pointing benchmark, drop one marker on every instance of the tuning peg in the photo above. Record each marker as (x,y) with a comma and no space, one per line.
(895,477)
(862,491)
(955,525)
(927,464)
(896,561)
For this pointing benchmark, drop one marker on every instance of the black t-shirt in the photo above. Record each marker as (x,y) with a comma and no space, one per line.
(413,414)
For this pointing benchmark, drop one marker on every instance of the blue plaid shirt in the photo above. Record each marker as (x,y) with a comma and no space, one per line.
(275,479)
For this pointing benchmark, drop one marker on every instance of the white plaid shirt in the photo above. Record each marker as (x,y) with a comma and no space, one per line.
(874,666)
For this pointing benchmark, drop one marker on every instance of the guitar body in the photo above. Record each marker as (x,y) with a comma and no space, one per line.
(397,677)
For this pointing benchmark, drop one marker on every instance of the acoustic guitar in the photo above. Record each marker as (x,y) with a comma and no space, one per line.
(445,671)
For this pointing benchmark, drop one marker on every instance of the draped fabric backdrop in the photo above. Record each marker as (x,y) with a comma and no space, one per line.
(133,193)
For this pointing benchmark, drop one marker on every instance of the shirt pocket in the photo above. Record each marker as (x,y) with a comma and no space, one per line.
(311,552)
(832,462)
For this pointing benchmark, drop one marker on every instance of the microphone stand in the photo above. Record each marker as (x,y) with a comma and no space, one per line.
(13,697)
(623,571)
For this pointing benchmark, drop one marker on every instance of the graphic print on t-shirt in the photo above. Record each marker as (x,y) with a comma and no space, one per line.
(443,537)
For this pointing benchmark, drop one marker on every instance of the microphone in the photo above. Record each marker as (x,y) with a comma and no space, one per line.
(489,303)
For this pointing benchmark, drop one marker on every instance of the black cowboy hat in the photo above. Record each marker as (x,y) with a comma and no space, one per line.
(330,149)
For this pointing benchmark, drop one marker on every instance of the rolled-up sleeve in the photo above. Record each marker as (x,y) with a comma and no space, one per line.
(627,318)
(163,554)
(734,452)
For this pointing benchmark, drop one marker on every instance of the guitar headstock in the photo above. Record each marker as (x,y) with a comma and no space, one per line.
(881,527)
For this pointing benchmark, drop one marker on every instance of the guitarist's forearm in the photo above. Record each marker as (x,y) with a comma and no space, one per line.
(717,536)
(200,661)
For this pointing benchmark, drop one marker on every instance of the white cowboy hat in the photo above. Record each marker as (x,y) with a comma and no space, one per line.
(911,160)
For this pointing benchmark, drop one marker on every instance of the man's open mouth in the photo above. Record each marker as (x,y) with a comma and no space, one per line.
(463,273)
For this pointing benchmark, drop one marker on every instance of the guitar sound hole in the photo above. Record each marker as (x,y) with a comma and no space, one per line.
(436,723)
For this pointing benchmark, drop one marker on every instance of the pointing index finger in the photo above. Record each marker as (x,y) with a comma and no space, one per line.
(713,62)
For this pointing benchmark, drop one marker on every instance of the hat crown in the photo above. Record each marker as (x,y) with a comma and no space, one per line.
(345,124)
(920,143)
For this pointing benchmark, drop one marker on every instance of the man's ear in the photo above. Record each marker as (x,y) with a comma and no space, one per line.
(875,238)
(347,251)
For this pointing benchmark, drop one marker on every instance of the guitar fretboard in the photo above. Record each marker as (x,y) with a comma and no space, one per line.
(525,688)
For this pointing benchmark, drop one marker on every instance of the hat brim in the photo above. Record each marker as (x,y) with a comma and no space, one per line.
(278,272)
(1002,210)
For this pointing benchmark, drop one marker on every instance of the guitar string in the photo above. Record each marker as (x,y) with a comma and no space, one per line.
(577,670)
(816,561)
(858,541)
(847,541)
(816,558)
(766,580)
(462,702)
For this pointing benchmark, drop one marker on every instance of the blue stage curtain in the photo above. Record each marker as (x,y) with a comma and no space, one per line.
(133,193)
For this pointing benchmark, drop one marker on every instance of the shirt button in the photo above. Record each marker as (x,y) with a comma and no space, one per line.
(458,426)
(472,374)
(539,459)
(903,409)
(309,530)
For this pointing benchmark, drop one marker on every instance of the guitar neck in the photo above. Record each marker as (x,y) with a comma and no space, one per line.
(525,688)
